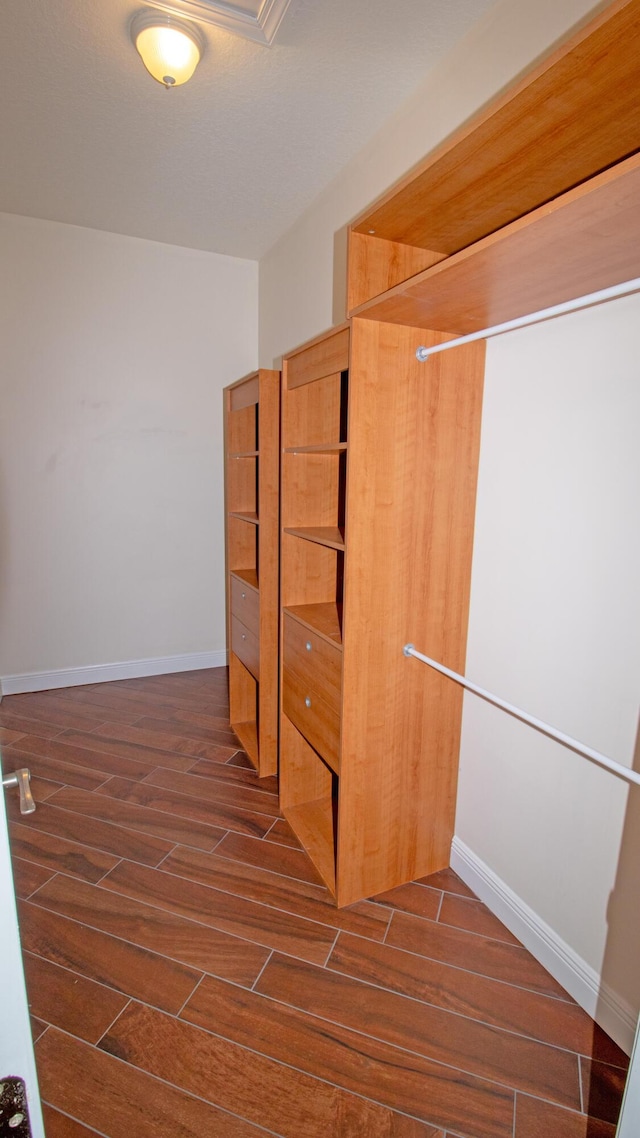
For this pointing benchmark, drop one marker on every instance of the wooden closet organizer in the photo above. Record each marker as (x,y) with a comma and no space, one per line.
(534,202)
(252,463)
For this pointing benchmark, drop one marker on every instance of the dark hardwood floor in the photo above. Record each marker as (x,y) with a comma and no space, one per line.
(188,974)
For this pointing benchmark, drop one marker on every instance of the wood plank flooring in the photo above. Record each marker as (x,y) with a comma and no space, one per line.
(188,974)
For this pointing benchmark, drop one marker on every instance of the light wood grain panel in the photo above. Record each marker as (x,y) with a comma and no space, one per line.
(312,485)
(375,265)
(241,544)
(323,356)
(311,573)
(243,486)
(314,823)
(410,523)
(547,133)
(241,427)
(586,240)
(303,777)
(244,392)
(314,414)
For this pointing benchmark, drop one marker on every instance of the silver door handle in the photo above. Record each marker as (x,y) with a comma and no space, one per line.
(21,779)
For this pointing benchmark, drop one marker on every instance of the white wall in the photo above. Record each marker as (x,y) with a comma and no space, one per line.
(113,355)
(555,622)
(554,612)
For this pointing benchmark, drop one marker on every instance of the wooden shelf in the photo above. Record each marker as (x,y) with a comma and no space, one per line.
(319,448)
(248,736)
(586,240)
(573,116)
(313,824)
(331,536)
(244,454)
(249,576)
(244,517)
(323,619)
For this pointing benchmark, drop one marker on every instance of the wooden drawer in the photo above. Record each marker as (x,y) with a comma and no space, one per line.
(246,646)
(245,604)
(312,683)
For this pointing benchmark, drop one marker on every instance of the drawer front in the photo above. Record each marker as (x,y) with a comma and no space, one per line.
(245,605)
(312,680)
(246,646)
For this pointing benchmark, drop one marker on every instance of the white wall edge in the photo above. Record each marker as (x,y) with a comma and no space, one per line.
(598,999)
(102,673)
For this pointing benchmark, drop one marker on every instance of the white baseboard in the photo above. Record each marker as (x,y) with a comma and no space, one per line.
(102,673)
(578,978)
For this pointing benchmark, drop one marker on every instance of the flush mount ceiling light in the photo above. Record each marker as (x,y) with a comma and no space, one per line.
(170,48)
(256,20)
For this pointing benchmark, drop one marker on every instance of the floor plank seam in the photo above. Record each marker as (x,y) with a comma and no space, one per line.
(73,1118)
(167,1083)
(342,1086)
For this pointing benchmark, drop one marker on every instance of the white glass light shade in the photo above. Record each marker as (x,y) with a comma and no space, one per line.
(170,49)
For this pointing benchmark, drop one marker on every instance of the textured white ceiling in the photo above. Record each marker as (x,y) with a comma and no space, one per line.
(227,162)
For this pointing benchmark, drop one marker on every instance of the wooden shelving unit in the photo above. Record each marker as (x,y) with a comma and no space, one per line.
(391,466)
(534,202)
(252,432)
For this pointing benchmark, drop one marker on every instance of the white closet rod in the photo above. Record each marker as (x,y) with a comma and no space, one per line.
(624,289)
(560,737)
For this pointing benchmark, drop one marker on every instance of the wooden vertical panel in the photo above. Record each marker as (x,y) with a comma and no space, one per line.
(242,436)
(306,797)
(242,495)
(375,265)
(311,483)
(312,411)
(269,562)
(241,545)
(311,574)
(252,429)
(410,518)
(244,393)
